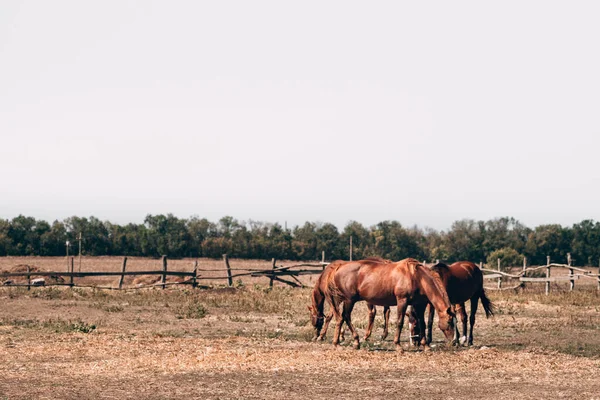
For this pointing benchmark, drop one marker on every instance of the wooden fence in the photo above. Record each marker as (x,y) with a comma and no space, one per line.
(285,274)
(280,273)
(522,276)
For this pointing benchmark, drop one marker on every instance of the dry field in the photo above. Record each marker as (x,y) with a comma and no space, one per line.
(253,342)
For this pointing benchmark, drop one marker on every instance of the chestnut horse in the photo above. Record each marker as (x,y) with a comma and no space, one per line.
(463,281)
(320,321)
(403,283)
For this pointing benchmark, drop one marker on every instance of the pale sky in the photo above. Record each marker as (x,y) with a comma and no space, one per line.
(422,112)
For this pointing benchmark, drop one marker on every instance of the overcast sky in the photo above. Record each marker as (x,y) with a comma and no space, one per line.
(422,112)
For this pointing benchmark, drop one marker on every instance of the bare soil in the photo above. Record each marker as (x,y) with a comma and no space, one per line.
(254,342)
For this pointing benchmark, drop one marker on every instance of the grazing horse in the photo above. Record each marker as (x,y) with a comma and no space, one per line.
(402,283)
(320,321)
(463,281)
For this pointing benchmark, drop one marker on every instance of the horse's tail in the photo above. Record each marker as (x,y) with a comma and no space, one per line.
(332,291)
(487,304)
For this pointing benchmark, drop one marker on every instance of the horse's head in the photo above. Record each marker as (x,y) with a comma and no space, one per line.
(446,323)
(316,319)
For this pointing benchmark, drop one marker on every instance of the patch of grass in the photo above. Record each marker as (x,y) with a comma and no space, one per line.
(55,325)
(237,318)
(192,309)
(112,308)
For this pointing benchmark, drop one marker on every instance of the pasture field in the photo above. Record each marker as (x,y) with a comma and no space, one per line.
(254,342)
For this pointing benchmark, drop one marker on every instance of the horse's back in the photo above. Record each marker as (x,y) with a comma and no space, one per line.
(464,282)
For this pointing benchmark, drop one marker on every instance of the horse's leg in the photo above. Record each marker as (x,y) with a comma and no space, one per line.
(474,304)
(456,332)
(325,326)
(460,310)
(338,323)
(347,314)
(386,321)
(372,313)
(413,325)
(430,322)
(402,305)
(412,316)
(420,310)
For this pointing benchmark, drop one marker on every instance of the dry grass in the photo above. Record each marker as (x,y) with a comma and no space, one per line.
(253,342)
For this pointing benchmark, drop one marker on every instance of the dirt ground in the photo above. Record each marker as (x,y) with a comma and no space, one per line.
(254,342)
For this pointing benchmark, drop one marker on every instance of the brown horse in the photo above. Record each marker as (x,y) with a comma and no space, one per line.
(320,321)
(402,283)
(463,281)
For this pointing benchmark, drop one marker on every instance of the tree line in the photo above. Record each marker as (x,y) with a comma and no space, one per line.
(467,239)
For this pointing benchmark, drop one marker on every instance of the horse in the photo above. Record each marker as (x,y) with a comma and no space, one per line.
(320,321)
(463,281)
(403,283)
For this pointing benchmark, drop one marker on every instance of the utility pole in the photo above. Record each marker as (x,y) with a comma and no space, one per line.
(350,247)
(67,243)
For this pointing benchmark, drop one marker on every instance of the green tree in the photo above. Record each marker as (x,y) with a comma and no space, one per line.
(548,240)
(465,240)
(361,240)
(508,256)
(585,243)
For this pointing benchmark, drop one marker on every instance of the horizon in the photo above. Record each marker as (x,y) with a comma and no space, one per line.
(290,226)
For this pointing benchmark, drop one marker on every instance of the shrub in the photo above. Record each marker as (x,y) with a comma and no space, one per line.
(509,257)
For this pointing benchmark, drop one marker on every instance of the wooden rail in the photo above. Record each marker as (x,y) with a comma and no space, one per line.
(574,274)
(287,274)
(274,273)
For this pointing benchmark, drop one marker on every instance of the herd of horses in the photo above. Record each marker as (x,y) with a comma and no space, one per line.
(407,284)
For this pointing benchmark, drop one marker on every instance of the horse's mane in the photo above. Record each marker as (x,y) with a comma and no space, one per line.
(439,268)
(331,289)
(436,278)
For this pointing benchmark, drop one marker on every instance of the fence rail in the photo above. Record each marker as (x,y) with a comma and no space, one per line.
(285,274)
(575,273)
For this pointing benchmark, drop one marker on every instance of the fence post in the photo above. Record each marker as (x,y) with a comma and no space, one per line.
(194,283)
(229,278)
(28,278)
(164,275)
(499,278)
(323,259)
(547,274)
(571,273)
(524,269)
(72,269)
(272,274)
(598,276)
(122,272)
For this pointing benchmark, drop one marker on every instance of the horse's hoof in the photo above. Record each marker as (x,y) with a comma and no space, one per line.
(356,345)
(321,338)
(426,348)
(463,340)
(399,348)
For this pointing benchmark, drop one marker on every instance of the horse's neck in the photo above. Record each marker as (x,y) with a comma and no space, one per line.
(434,292)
